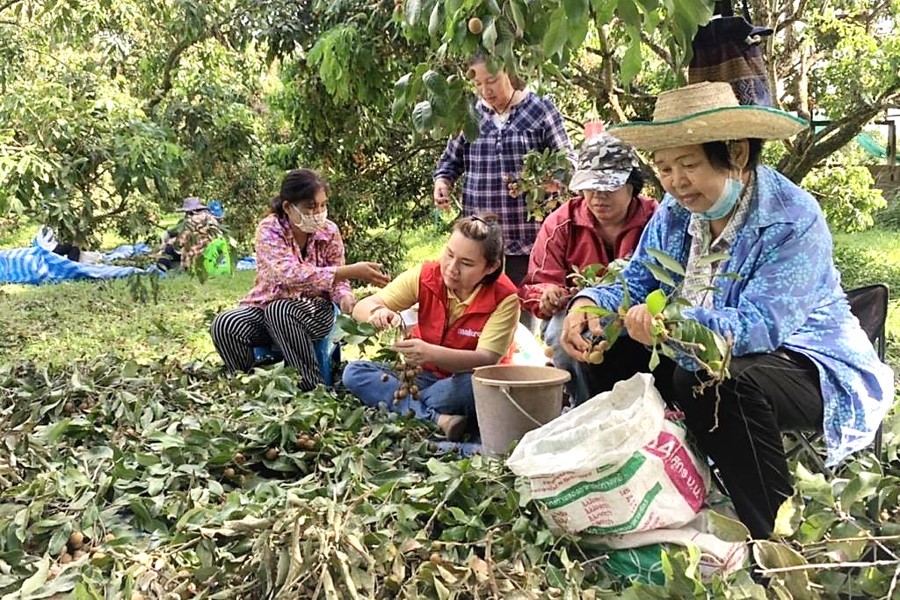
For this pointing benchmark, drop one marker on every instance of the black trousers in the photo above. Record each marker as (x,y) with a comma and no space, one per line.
(766,395)
(293,325)
(515,266)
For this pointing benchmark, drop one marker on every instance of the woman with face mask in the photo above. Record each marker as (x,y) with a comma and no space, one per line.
(800,359)
(468,311)
(300,272)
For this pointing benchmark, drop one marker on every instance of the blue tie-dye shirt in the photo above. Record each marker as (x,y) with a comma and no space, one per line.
(788,295)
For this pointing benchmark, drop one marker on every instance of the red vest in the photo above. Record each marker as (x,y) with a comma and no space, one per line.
(434,312)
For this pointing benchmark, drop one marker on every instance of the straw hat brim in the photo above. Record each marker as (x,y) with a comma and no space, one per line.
(717,124)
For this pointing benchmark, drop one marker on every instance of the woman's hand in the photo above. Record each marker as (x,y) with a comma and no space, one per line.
(383,317)
(639,324)
(369,272)
(442,193)
(347,303)
(415,351)
(552,299)
(574,325)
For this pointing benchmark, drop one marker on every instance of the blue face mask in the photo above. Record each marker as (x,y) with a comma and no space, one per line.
(726,201)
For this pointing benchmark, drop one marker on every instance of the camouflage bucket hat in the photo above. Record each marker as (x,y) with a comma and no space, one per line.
(604,164)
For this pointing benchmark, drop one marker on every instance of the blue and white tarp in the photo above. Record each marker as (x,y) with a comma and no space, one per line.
(127,251)
(36,265)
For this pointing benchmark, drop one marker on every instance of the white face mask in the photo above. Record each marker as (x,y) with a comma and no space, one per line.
(309,223)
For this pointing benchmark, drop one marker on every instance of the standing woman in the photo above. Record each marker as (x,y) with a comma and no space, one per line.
(513,121)
(801,361)
(468,311)
(300,272)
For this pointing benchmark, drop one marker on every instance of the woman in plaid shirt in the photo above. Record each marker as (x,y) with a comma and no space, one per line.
(512,122)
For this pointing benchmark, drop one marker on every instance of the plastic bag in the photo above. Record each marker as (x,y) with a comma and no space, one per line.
(614,465)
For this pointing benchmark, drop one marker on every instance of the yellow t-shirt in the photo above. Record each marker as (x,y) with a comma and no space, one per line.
(499,330)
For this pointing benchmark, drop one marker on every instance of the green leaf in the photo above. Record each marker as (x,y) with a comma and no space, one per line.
(666,261)
(631,61)
(423,116)
(790,513)
(412,11)
(598,311)
(862,485)
(436,22)
(660,274)
(37,580)
(656,302)
(575,10)
(517,10)
(712,258)
(489,36)
(557,33)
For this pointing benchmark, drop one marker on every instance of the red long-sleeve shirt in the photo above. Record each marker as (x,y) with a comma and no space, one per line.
(569,238)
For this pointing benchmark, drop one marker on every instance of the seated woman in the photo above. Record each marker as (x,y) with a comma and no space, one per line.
(468,311)
(603,224)
(801,360)
(189,238)
(300,272)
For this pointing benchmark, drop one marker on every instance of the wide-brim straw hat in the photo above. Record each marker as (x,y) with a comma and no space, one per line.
(706,112)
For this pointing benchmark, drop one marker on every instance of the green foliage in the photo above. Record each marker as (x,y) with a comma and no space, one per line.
(540,170)
(847,195)
(889,218)
(526,40)
(245,487)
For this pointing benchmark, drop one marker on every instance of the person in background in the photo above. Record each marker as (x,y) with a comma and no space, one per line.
(602,225)
(300,273)
(512,121)
(184,243)
(468,310)
(46,239)
(758,269)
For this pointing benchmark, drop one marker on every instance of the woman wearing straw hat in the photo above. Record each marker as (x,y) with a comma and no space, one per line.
(601,225)
(801,360)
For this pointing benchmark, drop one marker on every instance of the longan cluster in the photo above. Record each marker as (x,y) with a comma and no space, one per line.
(512,186)
(595,354)
(406,375)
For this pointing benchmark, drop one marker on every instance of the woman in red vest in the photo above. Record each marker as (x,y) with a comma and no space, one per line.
(602,225)
(468,311)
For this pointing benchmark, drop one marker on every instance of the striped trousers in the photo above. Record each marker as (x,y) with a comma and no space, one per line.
(292,325)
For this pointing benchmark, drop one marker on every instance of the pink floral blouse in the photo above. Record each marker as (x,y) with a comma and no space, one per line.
(282,272)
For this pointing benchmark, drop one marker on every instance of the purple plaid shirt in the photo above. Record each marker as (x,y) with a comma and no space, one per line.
(534,123)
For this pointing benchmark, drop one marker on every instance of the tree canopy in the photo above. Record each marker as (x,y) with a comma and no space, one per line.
(113,111)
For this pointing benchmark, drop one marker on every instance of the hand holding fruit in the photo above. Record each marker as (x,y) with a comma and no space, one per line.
(641,325)
(370,272)
(382,318)
(575,324)
(442,193)
(553,298)
(347,303)
(414,351)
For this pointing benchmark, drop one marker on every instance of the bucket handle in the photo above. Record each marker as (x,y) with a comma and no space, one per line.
(509,397)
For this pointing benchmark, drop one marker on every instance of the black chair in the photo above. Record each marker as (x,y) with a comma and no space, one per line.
(869,305)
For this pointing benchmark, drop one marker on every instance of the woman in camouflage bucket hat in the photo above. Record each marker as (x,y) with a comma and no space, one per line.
(601,225)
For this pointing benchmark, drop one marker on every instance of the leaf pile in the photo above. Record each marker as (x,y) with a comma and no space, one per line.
(183,483)
(166,480)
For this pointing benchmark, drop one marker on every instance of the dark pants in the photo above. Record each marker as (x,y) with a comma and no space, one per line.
(70,251)
(516,267)
(292,325)
(766,395)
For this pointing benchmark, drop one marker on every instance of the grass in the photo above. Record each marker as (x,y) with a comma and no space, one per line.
(70,321)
